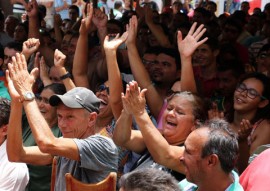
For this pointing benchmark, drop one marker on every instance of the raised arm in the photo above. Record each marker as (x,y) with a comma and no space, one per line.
(44,71)
(186,48)
(163,153)
(15,149)
(46,141)
(154,100)
(123,135)
(29,47)
(80,67)
(59,62)
(115,80)
(100,20)
(34,22)
(57,29)
(156,29)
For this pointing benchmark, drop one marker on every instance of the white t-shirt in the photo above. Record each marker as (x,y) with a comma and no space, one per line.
(13,176)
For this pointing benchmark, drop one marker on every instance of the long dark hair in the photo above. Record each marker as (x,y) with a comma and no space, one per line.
(262,113)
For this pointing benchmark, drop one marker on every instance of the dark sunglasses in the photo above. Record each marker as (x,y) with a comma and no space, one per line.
(103,87)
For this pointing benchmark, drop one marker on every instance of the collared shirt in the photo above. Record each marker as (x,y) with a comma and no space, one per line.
(188,186)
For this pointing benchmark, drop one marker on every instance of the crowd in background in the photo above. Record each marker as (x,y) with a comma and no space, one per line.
(179,89)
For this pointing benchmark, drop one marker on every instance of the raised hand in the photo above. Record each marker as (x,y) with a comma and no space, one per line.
(15,96)
(87,19)
(32,8)
(44,72)
(148,14)
(59,59)
(139,11)
(30,46)
(245,129)
(192,41)
(134,99)
(132,30)
(214,113)
(115,42)
(100,19)
(57,20)
(22,80)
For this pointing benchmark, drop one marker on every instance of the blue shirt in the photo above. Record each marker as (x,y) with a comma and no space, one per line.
(188,186)
(60,3)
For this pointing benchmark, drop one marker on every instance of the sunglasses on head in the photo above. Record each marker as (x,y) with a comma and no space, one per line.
(103,87)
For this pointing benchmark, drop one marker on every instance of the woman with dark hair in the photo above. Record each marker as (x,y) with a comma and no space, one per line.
(40,176)
(251,109)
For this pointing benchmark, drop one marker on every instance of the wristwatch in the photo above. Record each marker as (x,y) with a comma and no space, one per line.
(27,96)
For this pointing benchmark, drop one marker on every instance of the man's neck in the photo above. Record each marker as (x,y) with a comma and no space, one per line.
(219,182)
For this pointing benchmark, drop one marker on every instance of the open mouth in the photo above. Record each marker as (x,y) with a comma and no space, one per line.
(171,124)
(103,103)
(238,100)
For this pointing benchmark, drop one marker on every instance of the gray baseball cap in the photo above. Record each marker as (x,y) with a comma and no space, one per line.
(78,97)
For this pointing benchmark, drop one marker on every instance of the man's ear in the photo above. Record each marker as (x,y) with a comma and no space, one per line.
(212,160)
(92,118)
(263,103)
(4,129)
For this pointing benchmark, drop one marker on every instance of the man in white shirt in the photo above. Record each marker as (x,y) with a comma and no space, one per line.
(13,176)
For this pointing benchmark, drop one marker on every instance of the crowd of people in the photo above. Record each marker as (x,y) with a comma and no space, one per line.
(170,99)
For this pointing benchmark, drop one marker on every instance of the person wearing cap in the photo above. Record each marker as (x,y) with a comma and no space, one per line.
(88,157)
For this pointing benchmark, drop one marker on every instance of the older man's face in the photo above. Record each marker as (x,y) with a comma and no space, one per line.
(191,159)
(74,123)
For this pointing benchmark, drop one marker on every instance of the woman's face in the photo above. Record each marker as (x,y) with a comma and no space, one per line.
(178,120)
(247,95)
(102,93)
(48,112)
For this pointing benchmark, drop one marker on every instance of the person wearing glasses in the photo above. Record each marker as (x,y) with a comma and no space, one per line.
(251,111)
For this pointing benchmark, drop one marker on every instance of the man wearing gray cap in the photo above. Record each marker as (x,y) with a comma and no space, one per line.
(87,156)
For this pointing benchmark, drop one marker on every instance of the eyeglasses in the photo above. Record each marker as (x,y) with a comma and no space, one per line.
(42,99)
(251,93)
(147,62)
(103,87)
